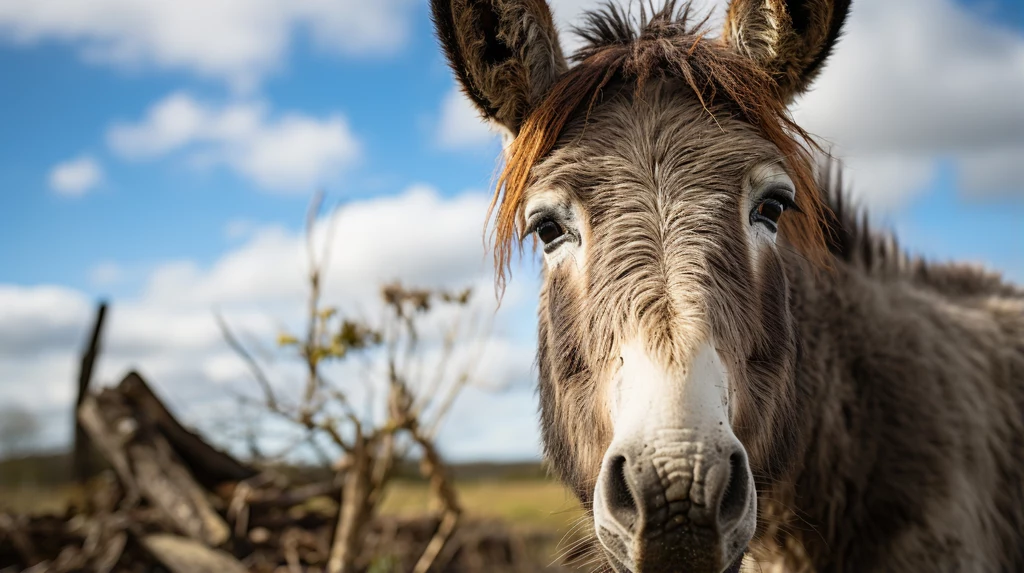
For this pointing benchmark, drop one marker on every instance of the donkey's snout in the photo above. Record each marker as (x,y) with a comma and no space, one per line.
(675,505)
(674,492)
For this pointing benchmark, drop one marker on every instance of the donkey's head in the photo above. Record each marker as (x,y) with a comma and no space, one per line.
(670,192)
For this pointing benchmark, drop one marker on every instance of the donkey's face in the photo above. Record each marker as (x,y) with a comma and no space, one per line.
(665,339)
(663,310)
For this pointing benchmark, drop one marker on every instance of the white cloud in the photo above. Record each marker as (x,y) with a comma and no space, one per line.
(76,177)
(885,182)
(474,433)
(290,153)
(236,40)
(460,125)
(39,319)
(923,74)
(998,170)
(416,236)
(169,332)
(915,82)
(106,273)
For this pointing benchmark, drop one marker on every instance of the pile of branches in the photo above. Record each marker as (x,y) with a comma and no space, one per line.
(172,502)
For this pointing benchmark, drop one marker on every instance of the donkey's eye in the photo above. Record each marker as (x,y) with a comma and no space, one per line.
(769,211)
(549,230)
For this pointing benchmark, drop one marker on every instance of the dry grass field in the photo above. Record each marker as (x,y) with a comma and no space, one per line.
(38,500)
(529,506)
(523,503)
(528,503)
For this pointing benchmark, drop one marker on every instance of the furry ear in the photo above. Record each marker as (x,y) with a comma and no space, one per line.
(505,53)
(789,38)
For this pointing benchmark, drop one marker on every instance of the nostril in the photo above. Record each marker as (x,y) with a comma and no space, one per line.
(621,502)
(734,498)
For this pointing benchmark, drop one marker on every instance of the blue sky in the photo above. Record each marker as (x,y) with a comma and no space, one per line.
(154,210)
(99,199)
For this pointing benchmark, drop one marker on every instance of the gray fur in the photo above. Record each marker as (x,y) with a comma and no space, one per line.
(880,398)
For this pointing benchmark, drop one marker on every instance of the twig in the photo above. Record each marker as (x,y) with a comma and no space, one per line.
(290,541)
(353,513)
(460,383)
(441,486)
(254,367)
(313,326)
(444,531)
(447,348)
(453,392)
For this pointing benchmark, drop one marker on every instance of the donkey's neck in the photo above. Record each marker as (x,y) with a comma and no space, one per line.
(910,404)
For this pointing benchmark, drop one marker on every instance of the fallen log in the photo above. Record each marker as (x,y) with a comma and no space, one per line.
(149,466)
(209,465)
(110,427)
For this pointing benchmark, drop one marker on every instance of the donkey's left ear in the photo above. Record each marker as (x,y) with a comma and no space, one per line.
(789,38)
(505,54)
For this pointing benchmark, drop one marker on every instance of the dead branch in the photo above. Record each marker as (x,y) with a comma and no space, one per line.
(441,487)
(254,368)
(81,460)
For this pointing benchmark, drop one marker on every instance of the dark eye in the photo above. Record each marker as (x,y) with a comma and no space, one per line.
(549,231)
(771,209)
(768,211)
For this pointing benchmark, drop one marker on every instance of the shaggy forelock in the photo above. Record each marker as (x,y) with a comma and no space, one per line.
(611,25)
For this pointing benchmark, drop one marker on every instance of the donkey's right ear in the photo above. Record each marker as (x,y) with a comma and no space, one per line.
(505,54)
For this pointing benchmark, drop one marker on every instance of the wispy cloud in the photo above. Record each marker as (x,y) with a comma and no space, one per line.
(292,152)
(75,177)
(238,41)
(460,125)
(106,274)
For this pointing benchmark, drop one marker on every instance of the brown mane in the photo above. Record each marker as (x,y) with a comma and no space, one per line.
(852,240)
(660,43)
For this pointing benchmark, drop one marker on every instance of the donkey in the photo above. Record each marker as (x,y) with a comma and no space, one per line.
(734,370)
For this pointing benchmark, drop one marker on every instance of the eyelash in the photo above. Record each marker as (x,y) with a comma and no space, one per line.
(784,199)
(538,219)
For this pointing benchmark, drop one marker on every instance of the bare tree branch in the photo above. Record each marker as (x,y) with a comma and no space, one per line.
(254,367)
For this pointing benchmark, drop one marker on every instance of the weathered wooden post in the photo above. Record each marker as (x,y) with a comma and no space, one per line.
(82,458)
